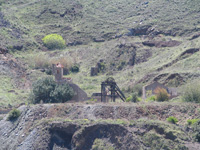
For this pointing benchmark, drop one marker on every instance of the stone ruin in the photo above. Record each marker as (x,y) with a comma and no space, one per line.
(149,90)
(57,70)
(97,69)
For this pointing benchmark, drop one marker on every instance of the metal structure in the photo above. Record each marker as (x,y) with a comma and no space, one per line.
(112,92)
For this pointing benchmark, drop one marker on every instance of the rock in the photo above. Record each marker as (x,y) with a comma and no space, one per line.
(171,43)
(195,36)
(98,40)
(11,91)
(74,43)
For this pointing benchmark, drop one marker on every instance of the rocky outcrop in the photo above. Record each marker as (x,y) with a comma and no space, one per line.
(79,126)
(159,44)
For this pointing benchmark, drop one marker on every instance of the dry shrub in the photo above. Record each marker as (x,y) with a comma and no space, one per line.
(67,62)
(192,93)
(41,61)
(161,94)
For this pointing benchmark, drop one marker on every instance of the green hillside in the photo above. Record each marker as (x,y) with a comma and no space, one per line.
(136,41)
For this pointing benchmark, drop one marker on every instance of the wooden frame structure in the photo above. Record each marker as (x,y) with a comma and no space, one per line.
(113,89)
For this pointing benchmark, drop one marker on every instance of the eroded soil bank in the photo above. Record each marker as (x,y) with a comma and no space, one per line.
(78,126)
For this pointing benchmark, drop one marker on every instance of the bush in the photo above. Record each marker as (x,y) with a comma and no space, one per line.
(42,90)
(192,121)
(13,114)
(62,93)
(74,68)
(172,119)
(192,94)
(132,98)
(128,99)
(48,71)
(152,98)
(138,89)
(39,61)
(161,95)
(47,91)
(54,41)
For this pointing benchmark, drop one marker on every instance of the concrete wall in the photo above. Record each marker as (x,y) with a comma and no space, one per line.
(80,95)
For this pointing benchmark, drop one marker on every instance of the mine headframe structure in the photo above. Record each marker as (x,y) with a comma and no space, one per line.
(113,89)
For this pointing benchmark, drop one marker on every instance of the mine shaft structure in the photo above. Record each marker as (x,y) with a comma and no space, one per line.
(112,92)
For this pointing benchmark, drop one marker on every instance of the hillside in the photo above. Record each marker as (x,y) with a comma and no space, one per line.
(135,42)
(102,127)
(161,38)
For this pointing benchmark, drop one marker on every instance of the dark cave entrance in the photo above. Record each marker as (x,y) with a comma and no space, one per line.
(60,140)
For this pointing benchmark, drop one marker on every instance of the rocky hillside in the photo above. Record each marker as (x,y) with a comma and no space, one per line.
(102,126)
(135,42)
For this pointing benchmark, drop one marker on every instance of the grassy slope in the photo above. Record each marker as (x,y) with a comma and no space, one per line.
(82,21)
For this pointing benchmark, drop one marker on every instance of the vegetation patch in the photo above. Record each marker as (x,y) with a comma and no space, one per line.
(192,121)
(100,144)
(47,91)
(161,95)
(13,114)
(54,41)
(172,119)
(133,98)
(196,131)
(192,93)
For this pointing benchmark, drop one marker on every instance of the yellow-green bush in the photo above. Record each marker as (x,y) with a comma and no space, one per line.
(161,95)
(172,119)
(54,41)
(192,121)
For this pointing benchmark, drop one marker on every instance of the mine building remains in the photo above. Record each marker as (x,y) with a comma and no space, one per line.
(149,90)
(57,70)
(109,90)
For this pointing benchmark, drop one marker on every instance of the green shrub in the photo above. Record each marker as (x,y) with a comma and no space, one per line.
(172,119)
(74,68)
(54,41)
(47,91)
(13,114)
(128,99)
(192,94)
(48,71)
(196,131)
(192,121)
(152,98)
(133,98)
(138,89)
(62,93)
(161,95)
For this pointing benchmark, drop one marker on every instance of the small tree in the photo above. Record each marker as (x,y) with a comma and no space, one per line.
(54,41)
(161,94)
(46,90)
(13,114)
(62,93)
(42,90)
